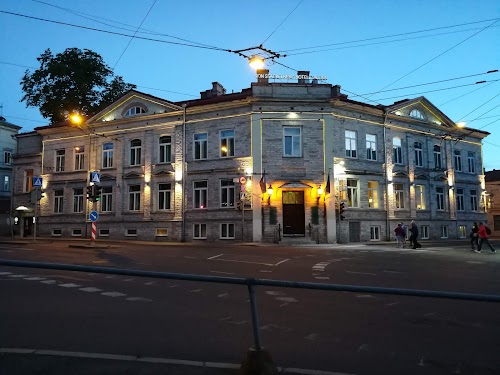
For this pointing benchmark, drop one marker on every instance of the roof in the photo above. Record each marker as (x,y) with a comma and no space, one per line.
(492,176)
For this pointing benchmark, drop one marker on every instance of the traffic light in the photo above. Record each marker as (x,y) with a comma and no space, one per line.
(341,210)
(90,195)
(97,195)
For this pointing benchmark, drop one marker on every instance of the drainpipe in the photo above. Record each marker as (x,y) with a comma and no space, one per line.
(183,229)
(387,229)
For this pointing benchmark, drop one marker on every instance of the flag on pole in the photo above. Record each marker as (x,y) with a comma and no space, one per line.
(262,182)
(328,184)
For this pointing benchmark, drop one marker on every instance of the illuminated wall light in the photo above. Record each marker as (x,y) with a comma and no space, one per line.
(293,115)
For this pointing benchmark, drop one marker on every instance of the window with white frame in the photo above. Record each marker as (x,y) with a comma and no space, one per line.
(397,151)
(58,201)
(56,232)
(78,200)
(137,110)
(60,159)
(227,231)
(419,154)
(226,143)
(6,183)
(471,162)
(399,196)
(107,155)
(135,152)
(460,200)
(200,194)
(292,141)
(103,232)
(134,197)
(424,232)
(107,199)
(164,196)
(351,149)
(200,146)
(131,233)
(420,197)
(437,157)
(79,158)
(462,231)
(76,232)
(227,193)
(352,193)
(161,232)
(371,147)
(200,231)
(373,194)
(473,200)
(374,233)
(165,152)
(440,199)
(7,157)
(28,180)
(415,113)
(444,231)
(457,157)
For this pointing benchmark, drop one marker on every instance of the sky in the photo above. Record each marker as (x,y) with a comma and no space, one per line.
(363,46)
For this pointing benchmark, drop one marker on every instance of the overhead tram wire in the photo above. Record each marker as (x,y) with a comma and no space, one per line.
(282,22)
(467,93)
(475,109)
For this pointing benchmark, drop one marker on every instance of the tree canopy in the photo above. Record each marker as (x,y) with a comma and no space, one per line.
(72,81)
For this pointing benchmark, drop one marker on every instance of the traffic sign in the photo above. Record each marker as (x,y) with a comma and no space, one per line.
(93,216)
(95,177)
(37,181)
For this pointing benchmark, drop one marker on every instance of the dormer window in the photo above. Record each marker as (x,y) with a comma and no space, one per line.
(135,111)
(415,113)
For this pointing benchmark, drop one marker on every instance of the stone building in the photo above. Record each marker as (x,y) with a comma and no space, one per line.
(492,179)
(274,161)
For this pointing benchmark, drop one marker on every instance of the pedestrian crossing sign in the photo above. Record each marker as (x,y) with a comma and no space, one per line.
(37,181)
(95,177)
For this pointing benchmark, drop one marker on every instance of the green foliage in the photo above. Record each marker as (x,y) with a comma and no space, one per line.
(72,81)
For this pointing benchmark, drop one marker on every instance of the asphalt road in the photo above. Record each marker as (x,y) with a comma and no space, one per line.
(350,333)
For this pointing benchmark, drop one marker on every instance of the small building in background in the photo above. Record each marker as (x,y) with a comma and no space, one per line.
(492,193)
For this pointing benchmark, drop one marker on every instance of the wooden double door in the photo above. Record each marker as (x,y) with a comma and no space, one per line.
(294,221)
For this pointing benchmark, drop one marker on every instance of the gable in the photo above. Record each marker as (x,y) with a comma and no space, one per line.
(421,110)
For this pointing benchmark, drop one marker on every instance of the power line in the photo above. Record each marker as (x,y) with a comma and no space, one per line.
(470,92)
(282,22)
(22,66)
(474,110)
(361,96)
(488,111)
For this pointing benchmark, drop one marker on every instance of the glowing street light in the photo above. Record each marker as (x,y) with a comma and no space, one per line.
(76,119)
(256,62)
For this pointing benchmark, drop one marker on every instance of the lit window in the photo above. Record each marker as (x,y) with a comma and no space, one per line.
(397,151)
(399,196)
(350,144)
(135,152)
(135,111)
(161,232)
(352,193)
(28,180)
(226,143)
(462,231)
(79,158)
(415,113)
(373,194)
(292,141)
(6,183)
(420,197)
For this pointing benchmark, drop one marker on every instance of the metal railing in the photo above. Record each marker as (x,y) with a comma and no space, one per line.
(251,283)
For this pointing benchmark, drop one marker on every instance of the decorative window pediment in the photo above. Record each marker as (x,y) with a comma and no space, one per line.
(133,175)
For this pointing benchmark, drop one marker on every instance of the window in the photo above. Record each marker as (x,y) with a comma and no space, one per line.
(292,141)
(103,232)
(7,157)
(457,157)
(79,158)
(462,231)
(437,157)
(444,231)
(424,232)
(200,231)
(374,233)
(107,199)
(460,200)
(226,143)
(164,196)
(78,200)
(371,147)
(60,158)
(397,151)
(471,162)
(76,232)
(134,197)
(399,196)
(226,231)
(6,183)
(419,155)
(56,232)
(350,144)
(420,197)
(200,146)
(165,153)
(373,194)
(200,194)
(417,114)
(58,201)
(28,180)
(107,155)
(131,233)
(473,200)
(135,152)
(352,193)
(161,232)
(440,198)
(135,111)
(227,193)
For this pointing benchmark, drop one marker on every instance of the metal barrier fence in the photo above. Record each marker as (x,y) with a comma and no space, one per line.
(252,282)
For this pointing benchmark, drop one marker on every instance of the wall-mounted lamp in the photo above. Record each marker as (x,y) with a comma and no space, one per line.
(452,187)
(320,193)
(269,193)
(412,184)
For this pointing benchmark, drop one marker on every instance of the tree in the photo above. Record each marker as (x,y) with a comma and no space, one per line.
(73,81)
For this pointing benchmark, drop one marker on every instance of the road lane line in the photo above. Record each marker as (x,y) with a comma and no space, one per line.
(283,261)
(91,289)
(35,278)
(70,285)
(362,273)
(216,256)
(113,294)
(5,273)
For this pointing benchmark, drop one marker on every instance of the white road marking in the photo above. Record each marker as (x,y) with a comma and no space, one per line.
(365,296)
(223,295)
(113,294)
(34,278)
(388,271)
(188,257)
(312,336)
(18,276)
(283,261)
(274,293)
(5,273)
(215,256)
(223,273)
(150,283)
(139,299)
(111,277)
(128,280)
(69,285)
(173,286)
(91,289)
(322,277)
(196,291)
(363,347)
(49,282)
(286,299)
(362,273)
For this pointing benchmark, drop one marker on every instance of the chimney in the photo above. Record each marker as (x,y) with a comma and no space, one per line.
(217,90)
(262,76)
(303,76)
(335,91)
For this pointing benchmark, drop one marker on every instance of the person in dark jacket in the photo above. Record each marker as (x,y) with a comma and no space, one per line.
(414,235)
(474,244)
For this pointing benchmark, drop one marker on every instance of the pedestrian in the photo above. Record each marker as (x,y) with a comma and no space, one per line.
(399,235)
(404,234)
(474,244)
(483,238)
(414,235)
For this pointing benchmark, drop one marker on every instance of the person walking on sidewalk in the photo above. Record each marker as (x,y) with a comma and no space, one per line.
(483,238)
(414,235)
(399,235)
(474,244)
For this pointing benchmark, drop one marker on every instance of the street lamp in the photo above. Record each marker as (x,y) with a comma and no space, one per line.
(256,62)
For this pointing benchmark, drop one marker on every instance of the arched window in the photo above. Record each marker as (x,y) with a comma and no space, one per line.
(437,156)
(417,114)
(135,111)
(135,152)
